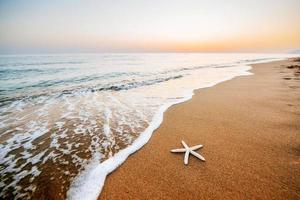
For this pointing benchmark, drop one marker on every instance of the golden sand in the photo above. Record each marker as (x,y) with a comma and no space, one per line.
(250,129)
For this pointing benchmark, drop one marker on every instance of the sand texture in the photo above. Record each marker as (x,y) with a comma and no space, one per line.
(250,129)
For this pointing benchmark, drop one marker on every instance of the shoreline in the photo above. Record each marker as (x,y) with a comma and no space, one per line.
(80,189)
(112,180)
(81,143)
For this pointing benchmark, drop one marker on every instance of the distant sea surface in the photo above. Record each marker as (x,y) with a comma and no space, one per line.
(62,116)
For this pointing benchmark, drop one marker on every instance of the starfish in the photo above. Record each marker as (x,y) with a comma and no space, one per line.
(189,150)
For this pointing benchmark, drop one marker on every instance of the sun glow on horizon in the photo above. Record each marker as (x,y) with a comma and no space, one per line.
(172,26)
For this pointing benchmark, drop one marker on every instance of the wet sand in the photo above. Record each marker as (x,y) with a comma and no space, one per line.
(250,129)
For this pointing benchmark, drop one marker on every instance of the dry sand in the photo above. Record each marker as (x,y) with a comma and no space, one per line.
(250,128)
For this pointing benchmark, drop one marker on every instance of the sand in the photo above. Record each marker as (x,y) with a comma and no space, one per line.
(250,129)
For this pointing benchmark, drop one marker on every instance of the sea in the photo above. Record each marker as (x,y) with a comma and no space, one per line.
(68,120)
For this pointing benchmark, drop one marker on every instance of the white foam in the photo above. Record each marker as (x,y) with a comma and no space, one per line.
(88,184)
(99,119)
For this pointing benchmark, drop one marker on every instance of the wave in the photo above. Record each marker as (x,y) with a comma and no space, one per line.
(86,122)
(85,186)
(40,63)
(4,100)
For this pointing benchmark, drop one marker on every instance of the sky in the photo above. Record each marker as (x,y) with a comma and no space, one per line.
(91,26)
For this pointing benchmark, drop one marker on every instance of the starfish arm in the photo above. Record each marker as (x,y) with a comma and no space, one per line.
(184,144)
(186,157)
(196,147)
(178,150)
(198,155)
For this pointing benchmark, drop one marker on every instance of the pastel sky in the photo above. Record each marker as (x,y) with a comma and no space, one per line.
(40,26)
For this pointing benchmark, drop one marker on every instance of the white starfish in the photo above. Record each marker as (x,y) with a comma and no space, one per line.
(189,150)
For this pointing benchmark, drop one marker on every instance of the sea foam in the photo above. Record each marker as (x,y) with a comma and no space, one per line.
(89,183)
(82,116)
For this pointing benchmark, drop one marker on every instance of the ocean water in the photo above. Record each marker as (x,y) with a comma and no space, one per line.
(68,120)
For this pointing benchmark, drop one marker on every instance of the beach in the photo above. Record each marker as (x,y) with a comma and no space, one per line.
(63,132)
(149,100)
(79,119)
(249,127)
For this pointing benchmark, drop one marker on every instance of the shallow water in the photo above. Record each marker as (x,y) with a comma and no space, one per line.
(60,113)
